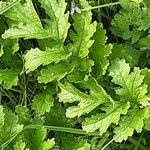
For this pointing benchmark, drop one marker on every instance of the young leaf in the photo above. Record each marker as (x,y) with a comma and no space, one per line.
(103,120)
(35,57)
(120,51)
(19,145)
(48,144)
(25,24)
(133,120)
(84,31)
(43,102)
(82,68)
(11,45)
(23,113)
(10,129)
(87,102)
(100,50)
(133,89)
(71,142)
(36,139)
(9,77)
(124,22)
(58,24)
(55,72)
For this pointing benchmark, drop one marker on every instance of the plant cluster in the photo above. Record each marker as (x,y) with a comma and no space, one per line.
(78,81)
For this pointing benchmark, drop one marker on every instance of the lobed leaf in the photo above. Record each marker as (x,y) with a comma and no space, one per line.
(134,120)
(55,72)
(103,120)
(35,57)
(87,102)
(132,87)
(100,51)
(84,30)
(58,24)
(43,102)
(25,24)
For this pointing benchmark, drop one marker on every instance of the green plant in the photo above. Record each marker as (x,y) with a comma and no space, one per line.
(63,85)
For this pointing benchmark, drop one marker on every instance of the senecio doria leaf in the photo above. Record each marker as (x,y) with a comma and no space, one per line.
(9,126)
(86,103)
(84,31)
(43,102)
(132,90)
(103,120)
(24,22)
(35,57)
(132,87)
(27,24)
(58,24)
(100,50)
(134,120)
(55,72)
(9,77)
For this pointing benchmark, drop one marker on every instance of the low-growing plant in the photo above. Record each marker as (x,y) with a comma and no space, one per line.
(74,81)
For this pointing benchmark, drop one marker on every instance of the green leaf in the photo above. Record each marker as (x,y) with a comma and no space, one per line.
(100,50)
(55,72)
(84,31)
(127,52)
(35,57)
(10,45)
(71,142)
(87,102)
(129,4)
(147,123)
(19,145)
(24,116)
(10,129)
(103,120)
(58,24)
(132,87)
(9,77)
(43,102)
(48,144)
(146,73)
(134,120)
(57,118)
(82,68)
(25,24)
(123,24)
(36,139)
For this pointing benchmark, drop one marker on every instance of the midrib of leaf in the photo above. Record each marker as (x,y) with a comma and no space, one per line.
(125,83)
(109,113)
(93,104)
(81,39)
(127,125)
(133,85)
(118,135)
(55,21)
